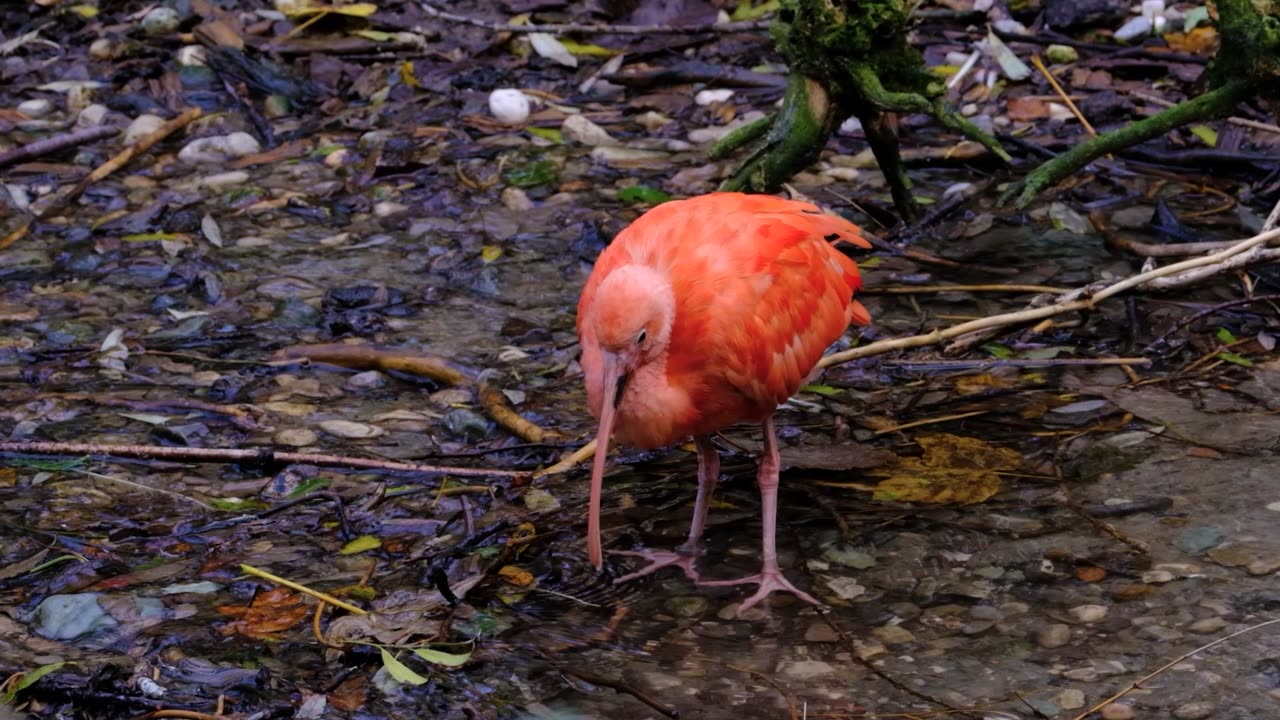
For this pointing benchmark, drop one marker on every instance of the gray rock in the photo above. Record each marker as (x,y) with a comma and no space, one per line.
(141,127)
(36,108)
(219,148)
(1118,711)
(67,617)
(1196,540)
(984,612)
(806,669)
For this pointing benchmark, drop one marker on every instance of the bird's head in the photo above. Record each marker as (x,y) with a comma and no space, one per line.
(630,319)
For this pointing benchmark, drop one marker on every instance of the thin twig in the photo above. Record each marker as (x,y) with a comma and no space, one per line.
(557,28)
(265,455)
(1210,311)
(931,421)
(568,462)
(1084,298)
(115,163)
(983,364)
(56,143)
(1062,94)
(251,570)
(918,289)
(1242,122)
(1136,684)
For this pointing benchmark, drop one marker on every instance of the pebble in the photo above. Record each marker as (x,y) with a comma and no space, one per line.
(977,627)
(141,127)
(821,632)
(1157,576)
(1198,710)
(103,49)
(225,179)
(806,669)
(730,612)
(711,97)
(219,148)
(350,429)
(539,500)
(509,105)
(296,437)
(1196,540)
(92,116)
(1160,633)
(893,634)
(848,557)
(1070,699)
(192,56)
(686,606)
(1207,626)
(367,380)
(1061,54)
(1117,711)
(905,610)
(37,108)
(1053,636)
(1084,674)
(1088,613)
(161,21)
(984,612)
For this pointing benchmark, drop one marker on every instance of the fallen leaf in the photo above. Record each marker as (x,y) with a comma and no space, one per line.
(361,544)
(953,469)
(399,670)
(547,46)
(1200,41)
(516,576)
(267,617)
(437,657)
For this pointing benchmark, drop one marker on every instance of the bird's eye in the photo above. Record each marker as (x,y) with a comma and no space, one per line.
(643,334)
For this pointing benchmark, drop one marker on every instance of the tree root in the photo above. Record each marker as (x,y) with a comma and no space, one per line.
(366,357)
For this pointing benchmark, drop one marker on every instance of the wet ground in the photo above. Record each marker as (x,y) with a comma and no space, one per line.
(1134,525)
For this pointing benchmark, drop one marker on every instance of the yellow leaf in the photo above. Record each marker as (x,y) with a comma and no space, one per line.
(406,75)
(352,10)
(84,11)
(516,576)
(399,671)
(587,49)
(953,469)
(360,544)
(489,253)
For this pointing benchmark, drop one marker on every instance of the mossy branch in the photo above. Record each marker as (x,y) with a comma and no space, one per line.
(740,136)
(1215,103)
(795,137)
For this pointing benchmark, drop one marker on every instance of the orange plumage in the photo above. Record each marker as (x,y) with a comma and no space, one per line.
(707,312)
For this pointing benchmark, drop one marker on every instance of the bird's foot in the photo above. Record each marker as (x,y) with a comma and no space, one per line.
(769,582)
(659,559)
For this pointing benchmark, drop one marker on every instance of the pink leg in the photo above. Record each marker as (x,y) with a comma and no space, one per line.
(686,555)
(770,578)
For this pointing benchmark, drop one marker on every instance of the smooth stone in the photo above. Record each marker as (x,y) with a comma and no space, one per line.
(1088,613)
(1118,711)
(1207,626)
(821,632)
(984,612)
(161,21)
(1070,699)
(142,126)
(1196,540)
(370,379)
(296,437)
(687,606)
(35,109)
(1198,710)
(806,669)
(1053,636)
(1160,633)
(893,634)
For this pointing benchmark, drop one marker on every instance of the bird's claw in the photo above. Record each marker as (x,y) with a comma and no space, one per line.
(659,559)
(769,582)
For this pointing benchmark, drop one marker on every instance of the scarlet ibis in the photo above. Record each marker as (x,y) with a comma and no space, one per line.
(703,313)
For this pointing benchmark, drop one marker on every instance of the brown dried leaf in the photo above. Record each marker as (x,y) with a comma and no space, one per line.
(267,617)
(953,469)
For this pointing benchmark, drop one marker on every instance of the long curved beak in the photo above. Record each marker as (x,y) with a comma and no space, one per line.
(614,381)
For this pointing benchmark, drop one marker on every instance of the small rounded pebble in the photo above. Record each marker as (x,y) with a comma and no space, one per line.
(192,56)
(509,105)
(893,634)
(161,21)
(1117,711)
(1207,626)
(1088,613)
(1198,710)
(296,437)
(35,109)
(686,606)
(1070,699)
(1053,636)
(142,126)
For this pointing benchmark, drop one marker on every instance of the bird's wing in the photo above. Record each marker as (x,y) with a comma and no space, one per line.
(760,302)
